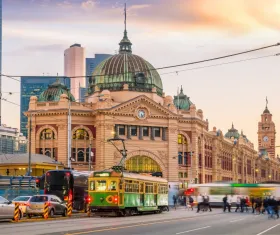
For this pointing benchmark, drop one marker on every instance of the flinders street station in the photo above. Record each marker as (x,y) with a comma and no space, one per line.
(164,134)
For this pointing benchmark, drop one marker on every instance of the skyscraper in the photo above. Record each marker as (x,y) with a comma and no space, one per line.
(34,86)
(0,61)
(74,66)
(91,64)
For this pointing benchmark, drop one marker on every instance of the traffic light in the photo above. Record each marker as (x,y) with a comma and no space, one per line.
(37,182)
(7,171)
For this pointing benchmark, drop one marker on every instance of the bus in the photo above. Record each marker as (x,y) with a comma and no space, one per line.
(217,191)
(123,194)
(68,185)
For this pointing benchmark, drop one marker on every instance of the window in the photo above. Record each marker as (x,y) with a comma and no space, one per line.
(121,130)
(181,175)
(180,158)
(145,131)
(179,139)
(47,134)
(100,185)
(133,130)
(113,186)
(157,131)
(3,200)
(81,155)
(39,199)
(92,185)
(185,175)
(149,187)
(80,134)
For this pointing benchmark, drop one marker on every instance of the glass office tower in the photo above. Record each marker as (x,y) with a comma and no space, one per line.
(34,86)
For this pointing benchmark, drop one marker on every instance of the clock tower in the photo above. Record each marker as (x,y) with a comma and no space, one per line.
(266,132)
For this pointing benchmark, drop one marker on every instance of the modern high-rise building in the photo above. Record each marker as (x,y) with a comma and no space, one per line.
(91,64)
(74,68)
(0,61)
(12,141)
(34,86)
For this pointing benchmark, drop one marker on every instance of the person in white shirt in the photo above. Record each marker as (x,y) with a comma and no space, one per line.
(238,202)
(230,199)
(199,202)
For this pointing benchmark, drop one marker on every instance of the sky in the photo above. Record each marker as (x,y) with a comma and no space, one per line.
(164,32)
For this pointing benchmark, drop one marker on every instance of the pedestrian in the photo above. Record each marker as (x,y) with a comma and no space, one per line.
(252,200)
(243,204)
(207,203)
(191,202)
(225,202)
(174,201)
(265,205)
(238,201)
(199,202)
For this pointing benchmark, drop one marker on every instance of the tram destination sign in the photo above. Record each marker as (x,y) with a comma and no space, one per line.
(101,174)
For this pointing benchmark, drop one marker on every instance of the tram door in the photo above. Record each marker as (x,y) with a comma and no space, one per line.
(142,193)
(121,193)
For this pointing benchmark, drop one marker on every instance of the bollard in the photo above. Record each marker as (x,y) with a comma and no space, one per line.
(46,210)
(88,210)
(16,212)
(69,208)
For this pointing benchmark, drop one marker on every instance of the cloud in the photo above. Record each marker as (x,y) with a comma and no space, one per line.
(46,48)
(88,5)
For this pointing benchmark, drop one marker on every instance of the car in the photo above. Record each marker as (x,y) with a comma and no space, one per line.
(7,209)
(36,206)
(23,202)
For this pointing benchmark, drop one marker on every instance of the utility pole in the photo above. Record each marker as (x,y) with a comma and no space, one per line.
(89,156)
(29,146)
(69,135)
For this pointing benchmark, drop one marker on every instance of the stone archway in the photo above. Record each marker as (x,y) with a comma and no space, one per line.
(150,155)
(187,137)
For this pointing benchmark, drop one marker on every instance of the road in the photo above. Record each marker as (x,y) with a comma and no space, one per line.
(169,223)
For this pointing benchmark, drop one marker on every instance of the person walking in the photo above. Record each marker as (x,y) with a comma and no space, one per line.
(207,203)
(225,202)
(199,202)
(230,200)
(191,202)
(174,201)
(238,201)
(253,204)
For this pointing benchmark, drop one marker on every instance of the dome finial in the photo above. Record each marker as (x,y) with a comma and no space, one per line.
(266,103)
(181,91)
(232,126)
(125,44)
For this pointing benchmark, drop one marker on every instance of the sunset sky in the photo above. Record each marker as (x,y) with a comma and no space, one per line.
(164,32)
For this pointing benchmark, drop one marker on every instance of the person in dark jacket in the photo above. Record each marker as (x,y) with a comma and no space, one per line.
(226,204)
(265,205)
(253,200)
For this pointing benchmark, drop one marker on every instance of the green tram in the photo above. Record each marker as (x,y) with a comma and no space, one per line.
(124,194)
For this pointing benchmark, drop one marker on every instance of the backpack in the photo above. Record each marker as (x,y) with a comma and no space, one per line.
(191,200)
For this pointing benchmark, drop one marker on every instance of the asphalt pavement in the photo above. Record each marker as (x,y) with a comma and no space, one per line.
(169,223)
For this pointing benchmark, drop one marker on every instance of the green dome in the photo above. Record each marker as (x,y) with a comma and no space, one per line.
(54,92)
(232,133)
(125,68)
(182,101)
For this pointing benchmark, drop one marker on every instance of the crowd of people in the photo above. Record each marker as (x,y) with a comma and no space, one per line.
(256,205)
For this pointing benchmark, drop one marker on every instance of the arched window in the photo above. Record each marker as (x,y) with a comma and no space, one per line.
(47,134)
(80,134)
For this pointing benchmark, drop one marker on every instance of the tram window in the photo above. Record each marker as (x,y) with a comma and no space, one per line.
(149,188)
(100,185)
(113,186)
(92,185)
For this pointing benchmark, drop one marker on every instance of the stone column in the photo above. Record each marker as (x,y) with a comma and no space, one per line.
(140,133)
(62,143)
(172,168)
(152,133)
(202,160)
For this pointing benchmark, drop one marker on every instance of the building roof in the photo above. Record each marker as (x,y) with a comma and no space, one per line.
(232,133)
(181,101)
(23,159)
(125,68)
(54,92)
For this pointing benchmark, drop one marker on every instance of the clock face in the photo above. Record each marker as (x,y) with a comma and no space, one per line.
(141,113)
(265,139)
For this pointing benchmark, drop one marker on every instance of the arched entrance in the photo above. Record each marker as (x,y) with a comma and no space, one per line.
(142,164)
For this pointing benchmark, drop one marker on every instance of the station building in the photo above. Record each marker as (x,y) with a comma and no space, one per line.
(163,134)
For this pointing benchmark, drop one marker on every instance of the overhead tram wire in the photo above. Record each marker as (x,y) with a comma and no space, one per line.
(225,63)
(171,66)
